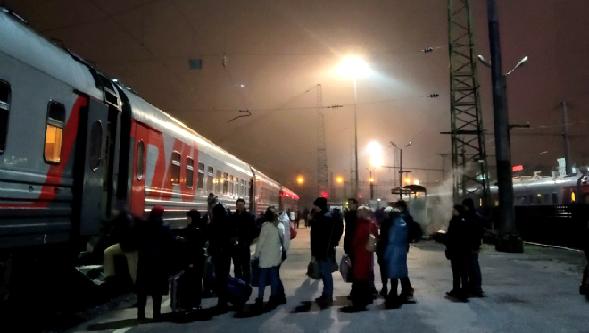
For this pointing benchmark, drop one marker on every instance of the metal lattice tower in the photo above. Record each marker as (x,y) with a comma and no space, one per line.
(469,160)
(322,169)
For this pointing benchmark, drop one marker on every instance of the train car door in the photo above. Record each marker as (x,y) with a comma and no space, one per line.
(93,203)
(140,136)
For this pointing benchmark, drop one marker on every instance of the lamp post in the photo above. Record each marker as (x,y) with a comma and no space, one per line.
(354,67)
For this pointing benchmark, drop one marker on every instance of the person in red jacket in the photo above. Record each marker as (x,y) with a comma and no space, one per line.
(362,259)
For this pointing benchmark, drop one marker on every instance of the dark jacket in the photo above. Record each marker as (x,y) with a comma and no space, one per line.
(221,232)
(323,236)
(458,237)
(155,243)
(245,226)
(350,217)
(196,242)
(476,229)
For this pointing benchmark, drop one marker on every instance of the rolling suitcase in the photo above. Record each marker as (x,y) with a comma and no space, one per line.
(179,292)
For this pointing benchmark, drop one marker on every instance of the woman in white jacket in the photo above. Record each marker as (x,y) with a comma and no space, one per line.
(269,254)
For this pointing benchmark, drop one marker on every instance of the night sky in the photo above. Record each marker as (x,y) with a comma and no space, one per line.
(276,52)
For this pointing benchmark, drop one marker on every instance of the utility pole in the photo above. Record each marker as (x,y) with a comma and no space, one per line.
(565,135)
(322,166)
(508,240)
(356,177)
(371,184)
(400,173)
(469,159)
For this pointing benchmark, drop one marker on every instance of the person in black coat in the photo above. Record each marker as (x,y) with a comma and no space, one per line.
(458,248)
(220,249)
(154,244)
(476,230)
(324,231)
(245,226)
(196,239)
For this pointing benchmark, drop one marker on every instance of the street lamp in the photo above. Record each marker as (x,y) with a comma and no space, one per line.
(401,166)
(300,180)
(354,67)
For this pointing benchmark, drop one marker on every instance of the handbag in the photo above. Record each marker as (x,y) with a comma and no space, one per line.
(371,243)
(313,270)
(345,268)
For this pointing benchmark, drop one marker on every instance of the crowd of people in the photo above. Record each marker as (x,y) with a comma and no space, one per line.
(214,241)
(200,257)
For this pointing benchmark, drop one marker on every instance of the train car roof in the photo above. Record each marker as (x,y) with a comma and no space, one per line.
(262,177)
(25,45)
(289,193)
(154,117)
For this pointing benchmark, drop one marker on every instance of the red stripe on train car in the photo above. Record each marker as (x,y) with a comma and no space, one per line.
(55,173)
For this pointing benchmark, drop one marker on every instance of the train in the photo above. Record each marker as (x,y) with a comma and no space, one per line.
(77,145)
(550,210)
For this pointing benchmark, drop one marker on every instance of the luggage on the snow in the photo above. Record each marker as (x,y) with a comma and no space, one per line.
(179,292)
(238,292)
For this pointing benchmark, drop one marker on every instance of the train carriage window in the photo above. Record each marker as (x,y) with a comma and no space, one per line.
(140,160)
(95,153)
(4,109)
(225,182)
(189,172)
(218,181)
(210,179)
(555,198)
(54,132)
(200,182)
(231,185)
(175,168)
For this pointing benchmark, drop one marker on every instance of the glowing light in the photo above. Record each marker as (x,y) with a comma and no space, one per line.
(407,180)
(371,179)
(300,180)
(353,67)
(339,179)
(416,181)
(517,168)
(375,152)
(573,197)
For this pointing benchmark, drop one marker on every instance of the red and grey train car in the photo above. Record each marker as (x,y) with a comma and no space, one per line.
(75,145)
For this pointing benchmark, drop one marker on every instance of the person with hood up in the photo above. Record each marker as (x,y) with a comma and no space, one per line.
(395,237)
(154,246)
(269,255)
(284,226)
